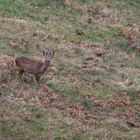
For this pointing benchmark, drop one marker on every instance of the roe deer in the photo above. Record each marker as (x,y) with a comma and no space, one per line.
(33,67)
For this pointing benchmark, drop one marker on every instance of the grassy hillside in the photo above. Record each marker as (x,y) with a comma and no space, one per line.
(91,90)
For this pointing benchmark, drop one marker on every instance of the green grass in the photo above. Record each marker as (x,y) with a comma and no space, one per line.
(11,8)
(3,128)
(50,25)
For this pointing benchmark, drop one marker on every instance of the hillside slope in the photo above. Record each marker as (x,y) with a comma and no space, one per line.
(91,90)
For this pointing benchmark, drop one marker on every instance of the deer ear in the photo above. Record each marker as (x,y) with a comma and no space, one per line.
(53,53)
(43,53)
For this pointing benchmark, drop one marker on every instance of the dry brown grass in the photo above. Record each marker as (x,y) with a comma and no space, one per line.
(92,87)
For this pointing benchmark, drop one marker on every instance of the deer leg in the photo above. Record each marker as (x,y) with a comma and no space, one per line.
(20,73)
(37,77)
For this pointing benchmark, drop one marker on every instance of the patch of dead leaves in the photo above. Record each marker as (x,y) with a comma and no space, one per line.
(73,111)
(23,44)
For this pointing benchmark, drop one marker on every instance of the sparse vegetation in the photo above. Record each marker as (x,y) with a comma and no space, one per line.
(91,89)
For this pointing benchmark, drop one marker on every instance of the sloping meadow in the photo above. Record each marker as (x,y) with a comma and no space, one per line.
(91,89)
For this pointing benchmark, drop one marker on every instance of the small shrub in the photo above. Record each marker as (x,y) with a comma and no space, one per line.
(6,62)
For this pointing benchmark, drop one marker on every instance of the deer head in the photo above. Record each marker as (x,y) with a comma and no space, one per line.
(48,56)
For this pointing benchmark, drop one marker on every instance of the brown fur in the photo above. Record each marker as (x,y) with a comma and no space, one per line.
(33,67)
